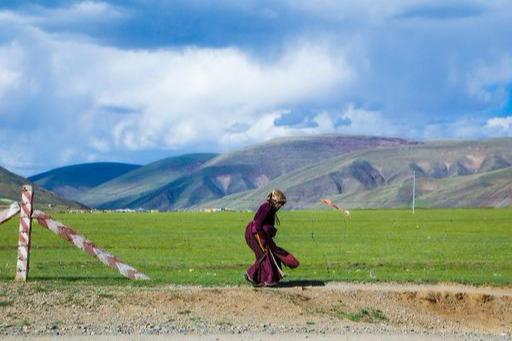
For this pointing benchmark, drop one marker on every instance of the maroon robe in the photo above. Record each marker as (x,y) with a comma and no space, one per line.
(266,270)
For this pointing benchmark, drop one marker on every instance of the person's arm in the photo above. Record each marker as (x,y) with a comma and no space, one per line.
(270,231)
(260,216)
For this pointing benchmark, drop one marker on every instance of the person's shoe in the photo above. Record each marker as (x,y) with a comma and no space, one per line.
(271,285)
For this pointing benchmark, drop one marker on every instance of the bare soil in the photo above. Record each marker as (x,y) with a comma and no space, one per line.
(298,309)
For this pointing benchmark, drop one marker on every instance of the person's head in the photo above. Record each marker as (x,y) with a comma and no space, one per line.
(276,198)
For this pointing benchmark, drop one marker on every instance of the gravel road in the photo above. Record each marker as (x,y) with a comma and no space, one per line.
(333,311)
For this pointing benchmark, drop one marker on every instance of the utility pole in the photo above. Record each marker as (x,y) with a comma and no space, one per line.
(413,190)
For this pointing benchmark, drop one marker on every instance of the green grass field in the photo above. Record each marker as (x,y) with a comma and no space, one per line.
(456,245)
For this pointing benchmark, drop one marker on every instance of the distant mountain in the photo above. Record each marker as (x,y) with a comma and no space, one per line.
(354,171)
(71,181)
(239,171)
(282,155)
(448,174)
(10,190)
(128,188)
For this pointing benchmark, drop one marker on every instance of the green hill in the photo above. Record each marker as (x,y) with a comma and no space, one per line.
(449,174)
(242,170)
(71,181)
(10,189)
(282,155)
(122,191)
(354,171)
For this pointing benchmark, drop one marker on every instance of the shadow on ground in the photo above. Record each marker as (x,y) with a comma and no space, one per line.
(300,283)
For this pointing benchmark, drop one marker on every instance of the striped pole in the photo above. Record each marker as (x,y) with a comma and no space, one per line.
(329,203)
(89,247)
(22,265)
(10,212)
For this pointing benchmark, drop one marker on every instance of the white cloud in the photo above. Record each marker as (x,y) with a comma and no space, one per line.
(99,144)
(355,121)
(261,128)
(501,125)
(465,128)
(89,9)
(10,75)
(15,158)
(174,98)
(366,122)
(188,95)
(488,81)
(264,128)
(8,79)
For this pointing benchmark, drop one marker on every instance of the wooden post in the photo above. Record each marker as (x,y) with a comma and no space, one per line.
(22,265)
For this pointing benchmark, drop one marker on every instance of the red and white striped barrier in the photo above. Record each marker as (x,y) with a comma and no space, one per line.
(10,212)
(328,202)
(80,242)
(25,229)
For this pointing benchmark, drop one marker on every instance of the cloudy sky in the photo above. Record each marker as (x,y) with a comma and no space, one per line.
(136,81)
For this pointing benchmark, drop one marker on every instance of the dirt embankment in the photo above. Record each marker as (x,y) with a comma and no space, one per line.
(381,309)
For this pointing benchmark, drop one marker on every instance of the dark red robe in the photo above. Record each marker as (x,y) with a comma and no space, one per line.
(266,270)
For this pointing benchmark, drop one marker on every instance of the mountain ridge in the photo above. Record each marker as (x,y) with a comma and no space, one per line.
(250,168)
(360,171)
(10,190)
(361,179)
(71,181)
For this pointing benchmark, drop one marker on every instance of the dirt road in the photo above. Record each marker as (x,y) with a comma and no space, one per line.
(301,310)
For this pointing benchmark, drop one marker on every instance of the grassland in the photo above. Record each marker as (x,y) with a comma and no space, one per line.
(456,245)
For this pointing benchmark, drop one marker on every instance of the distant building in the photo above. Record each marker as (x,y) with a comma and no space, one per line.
(215,209)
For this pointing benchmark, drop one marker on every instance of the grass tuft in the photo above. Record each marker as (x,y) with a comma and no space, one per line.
(363,315)
(106,295)
(6,303)
(41,289)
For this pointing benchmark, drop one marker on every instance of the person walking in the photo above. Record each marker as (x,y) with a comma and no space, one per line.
(259,234)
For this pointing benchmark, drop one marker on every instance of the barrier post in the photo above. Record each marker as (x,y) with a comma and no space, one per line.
(72,236)
(9,213)
(22,264)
